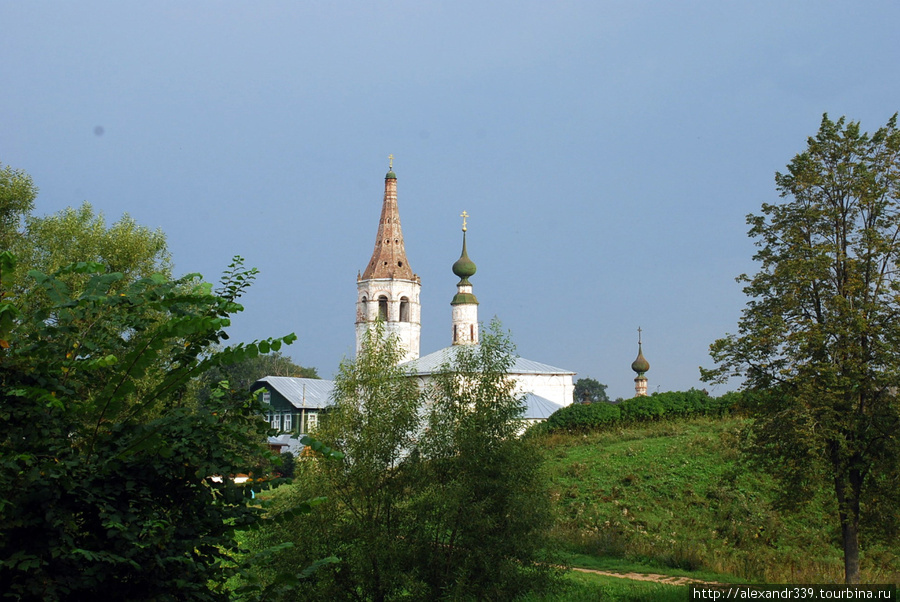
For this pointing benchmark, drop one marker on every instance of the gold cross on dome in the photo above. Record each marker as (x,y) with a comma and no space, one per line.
(464,215)
(639,335)
(390,162)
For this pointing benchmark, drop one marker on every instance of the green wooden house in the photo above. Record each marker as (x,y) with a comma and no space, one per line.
(294,407)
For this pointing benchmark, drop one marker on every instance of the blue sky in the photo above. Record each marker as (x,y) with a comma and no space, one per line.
(607,152)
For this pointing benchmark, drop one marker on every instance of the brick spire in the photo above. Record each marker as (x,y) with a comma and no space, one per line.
(389,257)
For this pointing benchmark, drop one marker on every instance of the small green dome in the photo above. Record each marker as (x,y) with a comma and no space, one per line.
(464,267)
(390,175)
(640,364)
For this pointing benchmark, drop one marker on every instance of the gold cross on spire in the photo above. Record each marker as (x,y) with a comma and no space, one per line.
(464,215)
(390,162)
(639,335)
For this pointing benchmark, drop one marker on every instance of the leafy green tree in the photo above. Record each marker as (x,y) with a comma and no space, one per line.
(482,509)
(436,496)
(50,242)
(106,472)
(595,391)
(17,194)
(365,522)
(818,345)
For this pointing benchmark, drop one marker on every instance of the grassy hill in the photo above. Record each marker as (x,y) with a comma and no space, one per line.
(675,494)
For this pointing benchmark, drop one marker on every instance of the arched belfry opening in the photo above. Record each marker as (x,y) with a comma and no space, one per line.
(404,309)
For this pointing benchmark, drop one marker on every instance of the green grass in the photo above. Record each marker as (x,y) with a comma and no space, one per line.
(675,495)
(582,587)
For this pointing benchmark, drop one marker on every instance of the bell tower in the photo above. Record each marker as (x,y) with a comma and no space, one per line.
(388,289)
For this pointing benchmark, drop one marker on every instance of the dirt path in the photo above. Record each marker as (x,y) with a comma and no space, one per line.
(667,579)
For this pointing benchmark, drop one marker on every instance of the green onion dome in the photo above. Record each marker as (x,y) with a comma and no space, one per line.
(464,267)
(640,364)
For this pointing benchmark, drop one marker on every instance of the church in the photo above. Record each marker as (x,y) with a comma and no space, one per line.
(388,290)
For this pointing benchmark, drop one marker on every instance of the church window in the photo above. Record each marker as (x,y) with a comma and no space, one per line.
(404,309)
(455,333)
(472,332)
(383,308)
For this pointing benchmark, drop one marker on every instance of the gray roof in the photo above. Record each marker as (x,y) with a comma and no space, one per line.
(287,442)
(433,362)
(300,392)
(539,408)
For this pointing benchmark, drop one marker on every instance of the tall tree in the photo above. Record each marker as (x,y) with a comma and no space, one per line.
(53,241)
(819,341)
(595,391)
(374,423)
(483,507)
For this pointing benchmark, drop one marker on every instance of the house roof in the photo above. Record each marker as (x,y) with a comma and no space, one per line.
(287,442)
(433,362)
(300,392)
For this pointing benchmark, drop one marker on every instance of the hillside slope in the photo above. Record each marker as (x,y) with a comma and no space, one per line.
(676,494)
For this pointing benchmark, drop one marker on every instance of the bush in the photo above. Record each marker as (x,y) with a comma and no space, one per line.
(578,418)
(105,464)
(583,417)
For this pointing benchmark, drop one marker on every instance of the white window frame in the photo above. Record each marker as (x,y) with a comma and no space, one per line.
(276,420)
(312,421)
(288,421)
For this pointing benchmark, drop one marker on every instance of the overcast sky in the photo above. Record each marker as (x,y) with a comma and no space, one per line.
(606,151)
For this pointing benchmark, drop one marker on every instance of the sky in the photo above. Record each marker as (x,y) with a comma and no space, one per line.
(607,152)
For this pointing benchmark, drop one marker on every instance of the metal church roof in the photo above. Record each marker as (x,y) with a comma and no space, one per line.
(433,362)
(539,408)
(300,392)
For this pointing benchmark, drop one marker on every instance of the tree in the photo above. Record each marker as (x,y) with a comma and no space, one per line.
(106,472)
(483,511)
(595,391)
(818,344)
(50,242)
(365,522)
(241,375)
(17,194)
(436,496)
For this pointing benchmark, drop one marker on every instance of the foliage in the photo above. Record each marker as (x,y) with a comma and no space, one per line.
(819,340)
(596,392)
(106,472)
(17,194)
(483,509)
(583,417)
(436,496)
(50,242)
(669,405)
(241,375)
